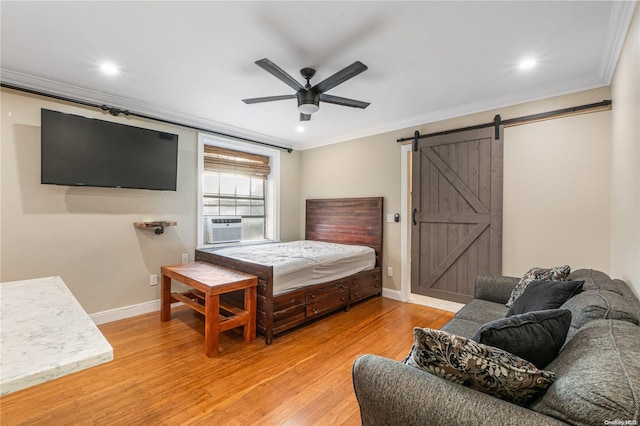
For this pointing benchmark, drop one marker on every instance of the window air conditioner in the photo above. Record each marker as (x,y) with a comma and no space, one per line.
(223,229)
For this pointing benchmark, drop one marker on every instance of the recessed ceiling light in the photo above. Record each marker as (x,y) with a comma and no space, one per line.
(527,63)
(300,128)
(109,68)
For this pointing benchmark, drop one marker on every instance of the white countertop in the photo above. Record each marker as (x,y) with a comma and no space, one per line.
(45,334)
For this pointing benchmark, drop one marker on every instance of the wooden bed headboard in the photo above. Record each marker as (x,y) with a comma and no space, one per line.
(346,221)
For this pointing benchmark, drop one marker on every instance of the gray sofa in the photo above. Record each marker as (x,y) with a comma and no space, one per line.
(598,368)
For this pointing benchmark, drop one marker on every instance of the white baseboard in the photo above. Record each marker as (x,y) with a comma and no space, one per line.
(125,312)
(391,294)
(154,306)
(432,302)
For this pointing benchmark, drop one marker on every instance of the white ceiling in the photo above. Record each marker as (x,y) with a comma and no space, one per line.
(193,62)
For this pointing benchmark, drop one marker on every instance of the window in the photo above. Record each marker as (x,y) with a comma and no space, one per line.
(236,195)
(237,192)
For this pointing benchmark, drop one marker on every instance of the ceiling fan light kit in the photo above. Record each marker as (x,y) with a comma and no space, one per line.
(309,97)
(308,102)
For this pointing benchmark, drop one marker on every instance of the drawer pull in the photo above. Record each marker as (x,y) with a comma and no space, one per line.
(313,296)
(315,311)
(343,299)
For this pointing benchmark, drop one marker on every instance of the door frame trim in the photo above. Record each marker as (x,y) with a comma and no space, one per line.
(405,241)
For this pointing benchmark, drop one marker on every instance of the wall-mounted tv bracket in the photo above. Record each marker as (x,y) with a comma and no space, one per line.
(158,226)
(115,111)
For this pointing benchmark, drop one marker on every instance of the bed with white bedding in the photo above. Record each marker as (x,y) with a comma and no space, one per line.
(298,264)
(338,264)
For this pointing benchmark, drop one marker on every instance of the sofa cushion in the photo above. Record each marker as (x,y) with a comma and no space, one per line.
(594,280)
(494,288)
(482,311)
(541,295)
(558,273)
(461,327)
(535,336)
(600,304)
(484,368)
(598,376)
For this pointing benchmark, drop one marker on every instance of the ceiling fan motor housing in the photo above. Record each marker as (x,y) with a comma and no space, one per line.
(308,101)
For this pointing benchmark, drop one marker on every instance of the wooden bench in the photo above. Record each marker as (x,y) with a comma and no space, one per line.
(208,282)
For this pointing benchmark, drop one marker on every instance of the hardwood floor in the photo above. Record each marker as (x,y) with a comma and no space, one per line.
(160,375)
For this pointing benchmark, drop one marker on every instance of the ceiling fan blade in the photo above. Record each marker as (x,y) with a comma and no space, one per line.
(305,117)
(279,73)
(343,101)
(340,77)
(268,99)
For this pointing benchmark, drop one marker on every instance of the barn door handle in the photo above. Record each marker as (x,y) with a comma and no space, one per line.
(415,212)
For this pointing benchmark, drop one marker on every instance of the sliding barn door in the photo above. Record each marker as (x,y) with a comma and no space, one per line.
(457,213)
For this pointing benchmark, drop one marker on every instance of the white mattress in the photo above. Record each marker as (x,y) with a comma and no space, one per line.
(302,263)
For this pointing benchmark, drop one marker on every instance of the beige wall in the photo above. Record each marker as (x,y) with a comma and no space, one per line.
(290,216)
(86,235)
(367,167)
(625,179)
(557,174)
(556,194)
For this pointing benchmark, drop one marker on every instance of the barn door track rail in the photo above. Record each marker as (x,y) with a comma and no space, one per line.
(497,121)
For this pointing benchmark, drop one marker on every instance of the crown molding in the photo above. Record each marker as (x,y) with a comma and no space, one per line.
(619,21)
(468,109)
(82,94)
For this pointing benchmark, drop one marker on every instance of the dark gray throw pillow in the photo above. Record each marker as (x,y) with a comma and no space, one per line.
(535,336)
(541,295)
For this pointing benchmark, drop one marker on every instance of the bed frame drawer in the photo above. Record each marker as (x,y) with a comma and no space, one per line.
(288,300)
(327,298)
(365,285)
(288,308)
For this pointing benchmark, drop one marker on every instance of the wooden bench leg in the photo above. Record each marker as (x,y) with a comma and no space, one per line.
(250,295)
(211,325)
(165,299)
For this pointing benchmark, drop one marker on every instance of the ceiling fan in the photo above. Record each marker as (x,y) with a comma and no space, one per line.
(309,97)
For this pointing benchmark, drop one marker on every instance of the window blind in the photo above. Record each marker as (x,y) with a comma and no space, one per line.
(224,160)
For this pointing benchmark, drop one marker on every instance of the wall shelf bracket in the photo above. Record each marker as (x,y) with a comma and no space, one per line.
(157,226)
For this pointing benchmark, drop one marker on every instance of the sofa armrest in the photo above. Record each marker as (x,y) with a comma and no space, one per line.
(494,288)
(391,393)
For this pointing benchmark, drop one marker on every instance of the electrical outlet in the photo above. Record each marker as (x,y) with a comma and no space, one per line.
(389,271)
(185,257)
(389,218)
(153,279)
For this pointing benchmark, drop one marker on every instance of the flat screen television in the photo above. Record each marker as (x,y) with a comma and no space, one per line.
(80,151)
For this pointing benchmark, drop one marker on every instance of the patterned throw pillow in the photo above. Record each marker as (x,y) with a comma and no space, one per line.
(558,273)
(480,367)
